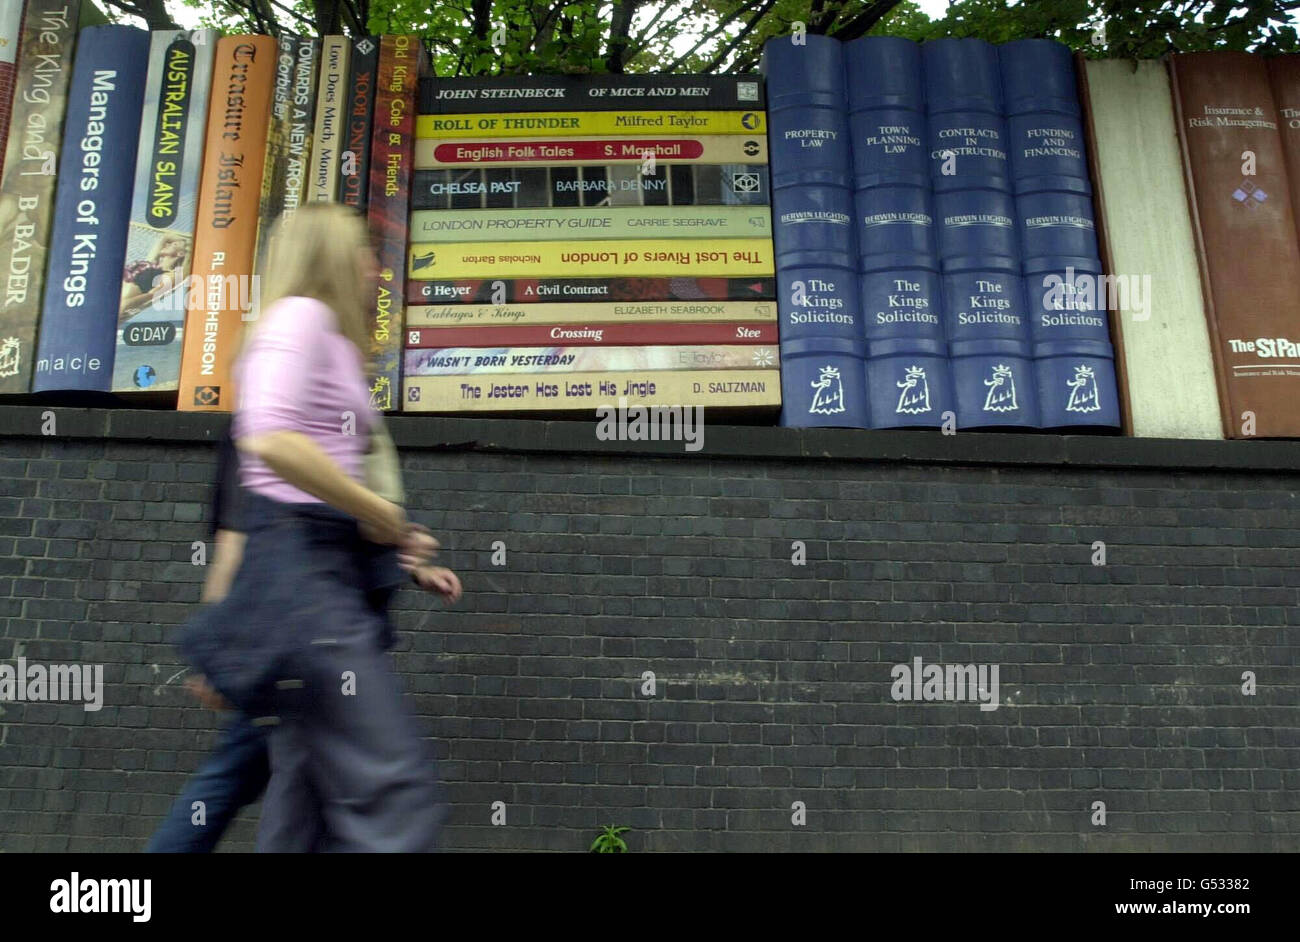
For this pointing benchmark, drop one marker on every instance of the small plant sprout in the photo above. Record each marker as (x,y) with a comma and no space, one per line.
(609,841)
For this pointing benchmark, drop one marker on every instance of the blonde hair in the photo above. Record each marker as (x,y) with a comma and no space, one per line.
(317,253)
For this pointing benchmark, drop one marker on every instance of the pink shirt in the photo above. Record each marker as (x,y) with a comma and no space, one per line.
(299,374)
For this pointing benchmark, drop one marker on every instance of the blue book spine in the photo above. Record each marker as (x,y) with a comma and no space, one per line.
(1047,152)
(91,210)
(886,102)
(813,225)
(968,149)
(818,301)
(1064,286)
(985,310)
(966,128)
(823,383)
(961,75)
(1073,356)
(883,72)
(977,229)
(1038,75)
(1055,223)
(909,383)
(822,350)
(986,304)
(900,304)
(809,145)
(889,147)
(1067,302)
(995,384)
(1076,384)
(908,380)
(896,227)
(803,71)
(808,131)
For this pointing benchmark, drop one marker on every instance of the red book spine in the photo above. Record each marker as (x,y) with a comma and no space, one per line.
(591,335)
(12,14)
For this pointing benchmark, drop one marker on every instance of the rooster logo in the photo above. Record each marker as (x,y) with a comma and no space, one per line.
(1083,391)
(915,395)
(829,396)
(1002,390)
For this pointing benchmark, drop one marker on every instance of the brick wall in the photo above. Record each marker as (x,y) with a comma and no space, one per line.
(1119,683)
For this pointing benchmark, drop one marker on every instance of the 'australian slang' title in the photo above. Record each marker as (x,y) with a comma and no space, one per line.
(169,133)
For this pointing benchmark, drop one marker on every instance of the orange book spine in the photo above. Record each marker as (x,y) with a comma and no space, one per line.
(222,288)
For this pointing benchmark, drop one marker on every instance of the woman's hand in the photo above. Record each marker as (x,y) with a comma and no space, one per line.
(206,693)
(385,524)
(418,548)
(438,579)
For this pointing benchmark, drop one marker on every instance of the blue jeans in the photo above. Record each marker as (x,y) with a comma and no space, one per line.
(234,775)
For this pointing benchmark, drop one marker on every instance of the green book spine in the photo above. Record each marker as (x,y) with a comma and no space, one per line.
(160,235)
(302,121)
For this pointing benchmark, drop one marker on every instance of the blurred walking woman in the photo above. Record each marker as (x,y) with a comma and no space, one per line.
(299,643)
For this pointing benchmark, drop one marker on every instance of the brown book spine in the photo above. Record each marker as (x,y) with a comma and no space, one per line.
(226,235)
(1239,196)
(40,104)
(1284,75)
(275,167)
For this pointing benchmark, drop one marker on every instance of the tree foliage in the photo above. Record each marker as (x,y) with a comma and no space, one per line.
(490,37)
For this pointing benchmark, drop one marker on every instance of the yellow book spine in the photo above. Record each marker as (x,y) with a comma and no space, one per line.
(588,312)
(583,123)
(609,222)
(633,257)
(585,391)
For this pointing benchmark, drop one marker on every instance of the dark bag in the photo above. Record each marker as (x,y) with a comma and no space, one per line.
(306,574)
